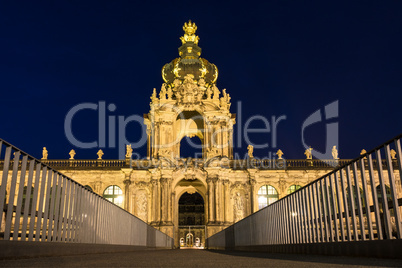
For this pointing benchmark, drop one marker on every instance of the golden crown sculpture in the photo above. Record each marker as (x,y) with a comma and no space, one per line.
(189,33)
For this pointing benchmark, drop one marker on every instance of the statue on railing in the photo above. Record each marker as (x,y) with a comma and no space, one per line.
(279,153)
(308,153)
(363,152)
(334,153)
(100,154)
(72,154)
(44,154)
(129,151)
(250,149)
(393,154)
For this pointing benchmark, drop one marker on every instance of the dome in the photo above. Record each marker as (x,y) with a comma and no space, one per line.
(189,61)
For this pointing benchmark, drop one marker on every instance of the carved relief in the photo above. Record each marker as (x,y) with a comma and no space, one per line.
(142,206)
(238,207)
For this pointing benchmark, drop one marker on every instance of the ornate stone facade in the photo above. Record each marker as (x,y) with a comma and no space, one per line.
(190,104)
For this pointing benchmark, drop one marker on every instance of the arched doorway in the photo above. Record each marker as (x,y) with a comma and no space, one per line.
(191,220)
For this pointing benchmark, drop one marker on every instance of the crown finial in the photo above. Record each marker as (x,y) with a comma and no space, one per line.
(189,33)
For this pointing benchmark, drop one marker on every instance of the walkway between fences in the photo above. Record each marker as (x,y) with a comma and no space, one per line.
(40,204)
(358,204)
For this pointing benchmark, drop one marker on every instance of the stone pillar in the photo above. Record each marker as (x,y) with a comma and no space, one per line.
(169,200)
(98,188)
(225,200)
(155,201)
(127,184)
(164,200)
(211,217)
(216,199)
(172,206)
(253,195)
(148,142)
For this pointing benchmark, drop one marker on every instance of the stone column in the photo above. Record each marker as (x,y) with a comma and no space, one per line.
(155,199)
(169,200)
(225,200)
(211,217)
(172,207)
(127,184)
(164,200)
(217,199)
(148,142)
(252,183)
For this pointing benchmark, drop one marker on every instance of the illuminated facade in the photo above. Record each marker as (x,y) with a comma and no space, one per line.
(189,104)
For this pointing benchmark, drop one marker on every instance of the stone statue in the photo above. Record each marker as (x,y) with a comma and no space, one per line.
(308,153)
(279,153)
(223,103)
(162,94)
(209,93)
(393,154)
(176,82)
(238,207)
(201,82)
(72,154)
(44,154)
(250,149)
(129,151)
(363,152)
(154,98)
(334,152)
(215,90)
(170,93)
(100,154)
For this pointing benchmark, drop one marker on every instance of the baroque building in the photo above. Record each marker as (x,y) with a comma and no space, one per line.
(191,198)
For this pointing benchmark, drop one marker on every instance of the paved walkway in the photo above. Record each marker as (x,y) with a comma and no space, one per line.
(197,258)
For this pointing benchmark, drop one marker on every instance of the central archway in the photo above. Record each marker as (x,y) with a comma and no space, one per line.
(191,220)
(191,147)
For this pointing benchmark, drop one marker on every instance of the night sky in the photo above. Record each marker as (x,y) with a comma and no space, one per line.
(277,57)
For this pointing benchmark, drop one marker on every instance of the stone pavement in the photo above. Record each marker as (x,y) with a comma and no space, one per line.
(197,258)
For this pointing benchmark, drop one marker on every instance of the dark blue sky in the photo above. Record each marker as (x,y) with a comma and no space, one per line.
(277,57)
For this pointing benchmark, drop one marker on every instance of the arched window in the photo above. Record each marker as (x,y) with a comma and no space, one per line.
(363,202)
(114,194)
(389,198)
(88,188)
(266,196)
(293,188)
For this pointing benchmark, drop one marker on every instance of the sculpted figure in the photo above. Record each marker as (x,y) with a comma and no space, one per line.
(201,82)
(100,154)
(44,154)
(363,152)
(72,154)
(209,93)
(279,153)
(170,93)
(393,154)
(308,153)
(176,83)
(154,98)
(250,149)
(162,94)
(216,92)
(129,151)
(238,207)
(334,152)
